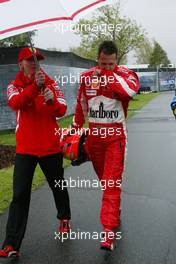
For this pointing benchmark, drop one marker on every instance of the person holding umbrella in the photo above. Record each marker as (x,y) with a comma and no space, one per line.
(103,95)
(37,101)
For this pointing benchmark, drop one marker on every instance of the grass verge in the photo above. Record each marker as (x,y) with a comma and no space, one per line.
(140,100)
(8,138)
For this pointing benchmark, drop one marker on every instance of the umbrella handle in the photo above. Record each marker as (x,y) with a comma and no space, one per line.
(33,53)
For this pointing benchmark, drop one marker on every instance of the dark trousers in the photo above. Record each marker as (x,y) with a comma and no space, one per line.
(25,165)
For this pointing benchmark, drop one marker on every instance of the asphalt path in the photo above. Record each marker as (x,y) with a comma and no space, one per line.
(148,227)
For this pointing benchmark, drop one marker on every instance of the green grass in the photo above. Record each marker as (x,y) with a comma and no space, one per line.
(139,101)
(6,184)
(8,138)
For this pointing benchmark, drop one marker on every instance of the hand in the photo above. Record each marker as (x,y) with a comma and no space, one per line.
(97,72)
(40,78)
(73,127)
(48,95)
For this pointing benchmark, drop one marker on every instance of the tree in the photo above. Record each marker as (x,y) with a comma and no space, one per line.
(143,53)
(107,24)
(16,41)
(158,56)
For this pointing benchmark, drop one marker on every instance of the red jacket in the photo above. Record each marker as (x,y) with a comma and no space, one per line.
(37,128)
(105,104)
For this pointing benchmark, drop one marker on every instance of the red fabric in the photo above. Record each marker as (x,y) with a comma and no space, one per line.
(114,90)
(37,129)
(106,105)
(107,156)
(26,53)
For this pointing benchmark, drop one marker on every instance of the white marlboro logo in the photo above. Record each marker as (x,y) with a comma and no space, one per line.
(102,113)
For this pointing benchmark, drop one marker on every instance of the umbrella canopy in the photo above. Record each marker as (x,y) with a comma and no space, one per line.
(19,16)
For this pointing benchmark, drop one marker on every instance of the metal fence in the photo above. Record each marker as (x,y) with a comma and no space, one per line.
(160,79)
(68,78)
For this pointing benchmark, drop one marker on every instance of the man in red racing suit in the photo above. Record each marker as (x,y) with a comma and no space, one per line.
(104,94)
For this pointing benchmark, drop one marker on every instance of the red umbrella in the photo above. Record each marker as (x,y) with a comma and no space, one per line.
(19,16)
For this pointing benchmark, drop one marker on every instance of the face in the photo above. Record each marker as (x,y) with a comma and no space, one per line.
(28,67)
(107,62)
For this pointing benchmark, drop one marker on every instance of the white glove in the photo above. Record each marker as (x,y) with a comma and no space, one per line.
(48,95)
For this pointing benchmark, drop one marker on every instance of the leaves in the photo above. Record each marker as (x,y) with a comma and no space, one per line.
(144,51)
(107,24)
(17,41)
(158,56)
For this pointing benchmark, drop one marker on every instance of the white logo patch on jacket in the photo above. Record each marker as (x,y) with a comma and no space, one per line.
(105,110)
